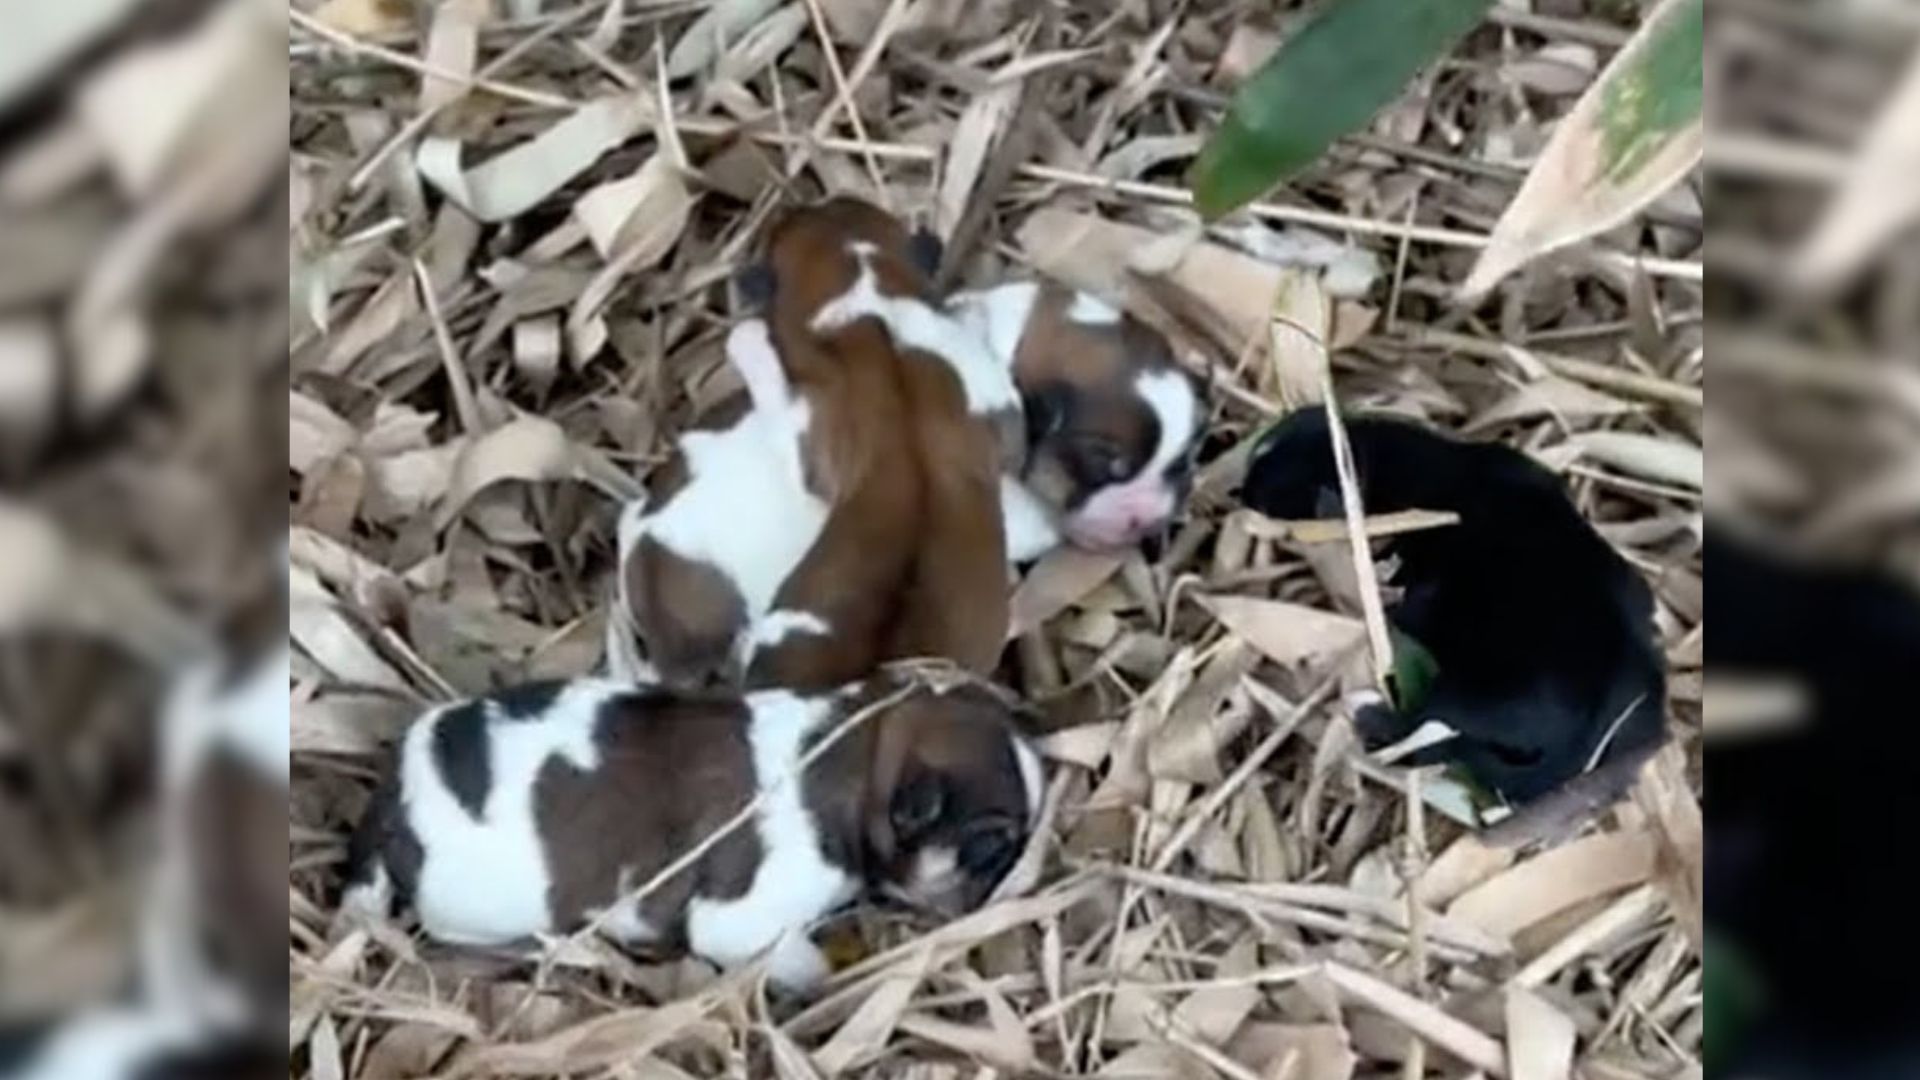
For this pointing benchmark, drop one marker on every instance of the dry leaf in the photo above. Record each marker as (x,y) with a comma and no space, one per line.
(1552,396)
(1539,1038)
(983,118)
(515,181)
(762,44)
(721,24)
(867,1030)
(1554,881)
(1678,827)
(1299,1051)
(1297,350)
(646,210)
(529,448)
(1062,578)
(1630,137)
(1876,200)
(1291,634)
(365,18)
(452,47)
(1649,456)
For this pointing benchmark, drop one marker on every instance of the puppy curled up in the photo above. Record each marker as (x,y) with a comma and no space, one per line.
(1542,634)
(539,808)
(852,515)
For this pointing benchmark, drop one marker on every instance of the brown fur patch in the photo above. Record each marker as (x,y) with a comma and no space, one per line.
(673,769)
(687,615)
(239,853)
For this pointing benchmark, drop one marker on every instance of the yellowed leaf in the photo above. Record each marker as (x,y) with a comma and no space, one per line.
(1628,139)
(365,18)
(1297,350)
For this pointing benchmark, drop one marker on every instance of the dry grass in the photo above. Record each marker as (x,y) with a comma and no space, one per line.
(1225,887)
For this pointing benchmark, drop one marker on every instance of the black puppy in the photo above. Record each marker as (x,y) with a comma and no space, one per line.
(1541,632)
(1807,818)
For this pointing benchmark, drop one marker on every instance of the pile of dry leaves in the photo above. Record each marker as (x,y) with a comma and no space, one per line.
(514,228)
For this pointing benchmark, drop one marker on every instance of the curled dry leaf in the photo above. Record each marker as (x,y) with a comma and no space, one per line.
(762,44)
(365,18)
(720,25)
(529,448)
(513,182)
(1632,135)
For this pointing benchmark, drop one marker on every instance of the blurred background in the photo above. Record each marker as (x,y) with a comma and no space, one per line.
(143,333)
(1814,536)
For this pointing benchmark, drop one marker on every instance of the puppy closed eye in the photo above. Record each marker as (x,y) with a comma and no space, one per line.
(917,806)
(1101,463)
(989,852)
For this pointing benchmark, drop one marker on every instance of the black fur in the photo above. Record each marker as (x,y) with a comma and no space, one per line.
(383,838)
(20,1043)
(1542,633)
(1812,819)
(924,251)
(460,753)
(757,286)
(527,701)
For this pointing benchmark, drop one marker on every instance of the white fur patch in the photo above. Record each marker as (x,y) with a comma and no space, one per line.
(252,717)
(485,881)
(794,884)
(1090,309)
(984,377)
(624,923)
(109,1043)
(778,626)
(1171,397)
(999,315)
(1027,522)
(745,510)
(371,899)
(1032,778)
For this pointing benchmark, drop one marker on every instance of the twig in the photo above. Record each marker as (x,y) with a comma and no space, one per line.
(457,378)
(477,81)
(843,90)
(1379,642)
(1605,376)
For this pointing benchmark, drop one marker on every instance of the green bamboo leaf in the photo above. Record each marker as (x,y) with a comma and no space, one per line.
(1348,59)
(1635,132)
(1732,997)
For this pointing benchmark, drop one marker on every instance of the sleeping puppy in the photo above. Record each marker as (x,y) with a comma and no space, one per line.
(1542,634)
(537,808)
(1112,420)
(851,514)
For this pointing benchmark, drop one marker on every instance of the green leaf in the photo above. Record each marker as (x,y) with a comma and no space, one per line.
(1414,670)
(1635,132)
(1346,61)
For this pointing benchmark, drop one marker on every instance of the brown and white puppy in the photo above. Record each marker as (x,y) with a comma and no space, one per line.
(852,514)
(1112,419)
(538,808)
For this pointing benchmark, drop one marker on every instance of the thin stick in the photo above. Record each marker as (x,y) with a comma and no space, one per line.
(845,92)
(1605,376)
(477,81)
(412,128)
(1412,871)
(1379,642)
(457,378)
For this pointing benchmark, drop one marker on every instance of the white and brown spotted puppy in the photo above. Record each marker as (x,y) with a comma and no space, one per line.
(851,515)
(1112,419)
(536,809)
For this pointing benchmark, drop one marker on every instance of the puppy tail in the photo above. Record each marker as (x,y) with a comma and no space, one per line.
(382,856)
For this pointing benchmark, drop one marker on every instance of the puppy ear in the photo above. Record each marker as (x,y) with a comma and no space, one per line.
(756,284)
(924,251)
